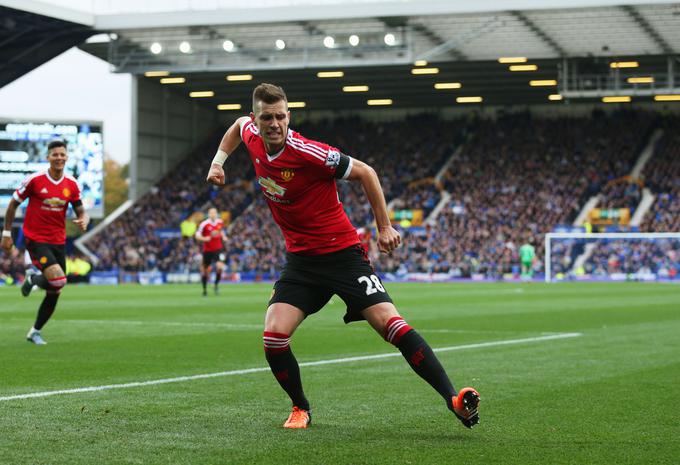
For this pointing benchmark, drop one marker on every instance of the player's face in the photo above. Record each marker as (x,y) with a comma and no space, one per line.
(272,121)
(212,213)
(57,158)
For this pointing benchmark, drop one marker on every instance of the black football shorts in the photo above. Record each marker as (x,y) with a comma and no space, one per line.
(210,257)
(308,282)
(44,255)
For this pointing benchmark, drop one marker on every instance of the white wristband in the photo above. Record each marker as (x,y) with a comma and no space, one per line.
(6,233)
(220,157)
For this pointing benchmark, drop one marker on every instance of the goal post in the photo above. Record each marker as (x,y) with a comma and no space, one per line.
(595,238)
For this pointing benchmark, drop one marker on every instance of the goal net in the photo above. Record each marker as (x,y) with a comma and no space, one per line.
(612,256)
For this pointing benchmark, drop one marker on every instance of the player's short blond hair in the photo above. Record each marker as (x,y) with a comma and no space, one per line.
(268,93)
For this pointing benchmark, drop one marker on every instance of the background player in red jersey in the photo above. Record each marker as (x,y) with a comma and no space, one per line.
(211,233)
(49,193)
(324,256)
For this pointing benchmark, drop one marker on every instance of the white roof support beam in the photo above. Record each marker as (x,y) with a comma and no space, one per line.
(461,39)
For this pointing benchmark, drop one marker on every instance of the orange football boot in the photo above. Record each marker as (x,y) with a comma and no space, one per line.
(465,406)
(298,418)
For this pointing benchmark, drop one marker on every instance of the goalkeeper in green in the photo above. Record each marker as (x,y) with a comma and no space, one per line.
(527,253)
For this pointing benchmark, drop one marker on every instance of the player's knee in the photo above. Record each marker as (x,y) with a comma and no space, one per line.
(395,329)
(57,284)
(275,342)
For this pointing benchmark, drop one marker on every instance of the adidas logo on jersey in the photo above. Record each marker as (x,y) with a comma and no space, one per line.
(43,191)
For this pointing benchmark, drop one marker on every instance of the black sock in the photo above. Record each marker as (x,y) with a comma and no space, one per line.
(419,356)
(218,276)
(204,280)
(46,309)
(40,280)
(285,367)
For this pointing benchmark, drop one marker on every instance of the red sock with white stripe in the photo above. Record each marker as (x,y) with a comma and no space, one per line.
(285,367)
(419,356)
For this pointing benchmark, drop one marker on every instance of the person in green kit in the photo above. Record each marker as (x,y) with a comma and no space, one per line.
(527,253)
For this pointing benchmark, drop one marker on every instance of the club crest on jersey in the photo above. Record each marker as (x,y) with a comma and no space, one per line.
(271,187)
(333,158)
(66,192)
(287,174)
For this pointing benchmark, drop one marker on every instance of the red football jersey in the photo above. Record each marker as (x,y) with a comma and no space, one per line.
(212,229)
(299,185)
(48,201)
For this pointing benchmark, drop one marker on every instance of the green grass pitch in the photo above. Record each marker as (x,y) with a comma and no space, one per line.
(608,396)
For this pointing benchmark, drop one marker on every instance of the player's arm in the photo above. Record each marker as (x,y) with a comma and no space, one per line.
(388,238)
(7,242)
(82,218)
(229,142)
(200,237)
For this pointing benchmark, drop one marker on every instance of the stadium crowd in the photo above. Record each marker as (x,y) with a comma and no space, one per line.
(662,176)
(517,177)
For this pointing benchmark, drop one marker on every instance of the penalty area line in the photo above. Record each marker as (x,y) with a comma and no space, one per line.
(246,371)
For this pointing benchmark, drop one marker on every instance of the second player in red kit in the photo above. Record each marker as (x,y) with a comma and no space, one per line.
(211,234)
(49,194)
(324,255)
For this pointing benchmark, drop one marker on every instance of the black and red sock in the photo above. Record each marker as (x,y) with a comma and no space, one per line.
(284,366)
(419,356)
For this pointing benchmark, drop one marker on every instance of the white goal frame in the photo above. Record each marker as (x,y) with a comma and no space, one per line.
(583,235)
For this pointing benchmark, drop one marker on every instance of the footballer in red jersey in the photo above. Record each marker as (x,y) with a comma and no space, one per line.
(211,233)
(324,257)
(49,194)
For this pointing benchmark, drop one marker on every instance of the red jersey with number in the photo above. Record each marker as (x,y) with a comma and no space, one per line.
(48,201)
(299,185)
(213,230)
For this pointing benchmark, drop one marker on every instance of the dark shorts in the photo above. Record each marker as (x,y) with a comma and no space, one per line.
(210,257)
(308,282)
(44,255)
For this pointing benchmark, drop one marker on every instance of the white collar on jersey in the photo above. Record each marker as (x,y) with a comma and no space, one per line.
(276,155)
(54,181)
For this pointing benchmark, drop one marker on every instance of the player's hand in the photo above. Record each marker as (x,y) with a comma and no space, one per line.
(216,175)
(82,222)
(388,239)
(7,244)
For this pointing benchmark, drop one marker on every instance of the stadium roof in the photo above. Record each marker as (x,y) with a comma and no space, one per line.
(27,40)
(463,39)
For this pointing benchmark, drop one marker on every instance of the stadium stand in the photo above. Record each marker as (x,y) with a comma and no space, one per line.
(662,176)
(486,183)
(506,188)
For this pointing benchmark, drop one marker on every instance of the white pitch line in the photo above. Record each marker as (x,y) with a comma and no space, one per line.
(180,379)
(168,323)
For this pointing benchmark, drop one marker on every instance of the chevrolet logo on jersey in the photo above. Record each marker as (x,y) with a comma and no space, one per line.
(271,187)
(287,174)
(54,202)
